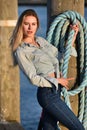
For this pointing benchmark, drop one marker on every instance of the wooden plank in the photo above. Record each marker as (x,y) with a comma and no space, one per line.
(37,2)
(32,2)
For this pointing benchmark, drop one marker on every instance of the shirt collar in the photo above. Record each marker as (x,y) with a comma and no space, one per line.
(38,39)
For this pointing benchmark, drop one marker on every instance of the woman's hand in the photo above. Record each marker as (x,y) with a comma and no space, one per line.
(64,82)
(75,27)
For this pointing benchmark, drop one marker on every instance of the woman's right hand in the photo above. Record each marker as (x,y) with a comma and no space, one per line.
(64,82)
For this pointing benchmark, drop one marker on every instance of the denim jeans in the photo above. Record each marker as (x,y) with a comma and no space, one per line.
(55,109)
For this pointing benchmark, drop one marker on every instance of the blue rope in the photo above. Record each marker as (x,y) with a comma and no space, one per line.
(56,35)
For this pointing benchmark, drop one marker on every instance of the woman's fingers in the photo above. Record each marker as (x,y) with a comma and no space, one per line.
(70,79)
(65,82)
(75,27)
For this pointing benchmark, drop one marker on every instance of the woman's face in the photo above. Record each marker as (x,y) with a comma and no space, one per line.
(29,26)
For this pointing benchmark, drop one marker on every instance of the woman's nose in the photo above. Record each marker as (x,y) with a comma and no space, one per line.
(29,27)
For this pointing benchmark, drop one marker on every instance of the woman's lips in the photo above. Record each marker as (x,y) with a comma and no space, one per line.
(29,32)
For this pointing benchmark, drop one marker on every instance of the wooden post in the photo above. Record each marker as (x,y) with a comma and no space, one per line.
(9,75)
(55,7)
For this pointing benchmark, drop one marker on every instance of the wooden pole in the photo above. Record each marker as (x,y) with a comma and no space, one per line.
(55,7)
(9,75)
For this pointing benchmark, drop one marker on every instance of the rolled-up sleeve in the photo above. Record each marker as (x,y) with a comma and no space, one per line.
(28,68)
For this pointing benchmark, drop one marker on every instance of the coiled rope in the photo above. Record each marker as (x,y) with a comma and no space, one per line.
(57,36)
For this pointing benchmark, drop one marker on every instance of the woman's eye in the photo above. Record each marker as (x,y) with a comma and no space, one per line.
(26,23)
(33,23)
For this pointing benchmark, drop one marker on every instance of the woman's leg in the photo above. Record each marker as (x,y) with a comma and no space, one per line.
(47,122)
(63,114)
(57,110)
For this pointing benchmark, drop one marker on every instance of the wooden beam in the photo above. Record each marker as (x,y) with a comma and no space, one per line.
(9,74)
(55,7)
(32,2)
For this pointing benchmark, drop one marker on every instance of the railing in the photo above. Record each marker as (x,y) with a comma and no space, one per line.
(38,2)
(32,2)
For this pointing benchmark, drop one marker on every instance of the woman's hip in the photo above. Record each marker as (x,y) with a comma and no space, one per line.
(46,95)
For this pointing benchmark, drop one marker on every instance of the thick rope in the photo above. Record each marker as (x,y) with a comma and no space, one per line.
(57,36)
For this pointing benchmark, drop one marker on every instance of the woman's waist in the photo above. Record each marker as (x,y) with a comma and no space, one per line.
(52,75)
(47,73)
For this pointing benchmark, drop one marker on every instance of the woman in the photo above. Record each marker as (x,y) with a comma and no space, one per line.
(38,60)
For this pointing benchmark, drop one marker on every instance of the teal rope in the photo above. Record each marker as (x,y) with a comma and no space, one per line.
(56,35)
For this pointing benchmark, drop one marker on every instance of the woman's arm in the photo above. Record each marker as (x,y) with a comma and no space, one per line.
(65,81)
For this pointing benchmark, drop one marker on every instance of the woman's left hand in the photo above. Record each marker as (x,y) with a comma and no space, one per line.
(75,27)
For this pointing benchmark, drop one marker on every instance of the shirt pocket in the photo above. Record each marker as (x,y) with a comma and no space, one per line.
(30,57)
(45,59)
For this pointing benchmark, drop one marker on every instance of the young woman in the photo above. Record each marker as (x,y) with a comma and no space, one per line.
(38,60)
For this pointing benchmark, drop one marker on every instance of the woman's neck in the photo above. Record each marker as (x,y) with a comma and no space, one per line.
(29,39)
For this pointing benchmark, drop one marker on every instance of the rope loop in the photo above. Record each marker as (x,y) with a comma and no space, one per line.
(59,32)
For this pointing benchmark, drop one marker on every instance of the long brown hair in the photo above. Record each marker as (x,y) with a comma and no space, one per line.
(17,35)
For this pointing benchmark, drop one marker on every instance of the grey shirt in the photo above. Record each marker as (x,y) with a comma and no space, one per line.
(38,62)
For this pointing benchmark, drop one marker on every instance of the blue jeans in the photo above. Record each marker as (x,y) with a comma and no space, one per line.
(55,109)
